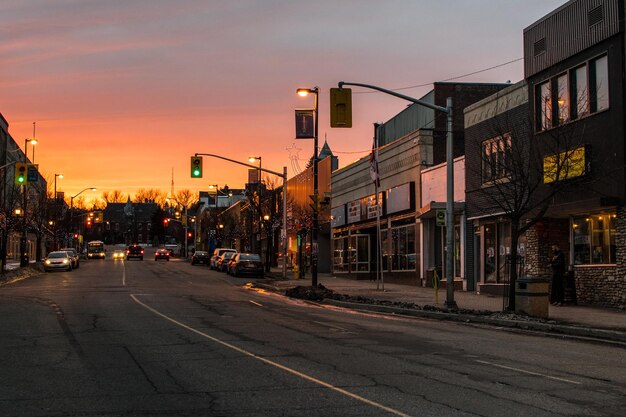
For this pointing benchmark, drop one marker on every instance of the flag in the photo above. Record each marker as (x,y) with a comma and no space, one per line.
(374,165)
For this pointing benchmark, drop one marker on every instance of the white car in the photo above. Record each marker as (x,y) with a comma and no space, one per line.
(57,260)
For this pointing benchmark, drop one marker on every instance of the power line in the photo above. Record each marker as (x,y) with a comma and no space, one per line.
(447,79)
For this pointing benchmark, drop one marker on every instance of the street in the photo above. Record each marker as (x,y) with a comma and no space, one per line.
(118,337)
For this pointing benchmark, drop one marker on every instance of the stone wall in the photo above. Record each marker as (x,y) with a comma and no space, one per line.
(539,241)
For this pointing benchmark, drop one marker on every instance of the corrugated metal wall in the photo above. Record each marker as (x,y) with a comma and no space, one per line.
(567,31)
(408,120)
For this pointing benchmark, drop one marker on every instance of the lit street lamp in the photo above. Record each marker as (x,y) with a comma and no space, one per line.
(303,92)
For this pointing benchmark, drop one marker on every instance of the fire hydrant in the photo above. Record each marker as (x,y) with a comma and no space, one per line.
(296,272)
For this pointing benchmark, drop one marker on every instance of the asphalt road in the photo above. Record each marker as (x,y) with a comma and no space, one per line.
(146,338)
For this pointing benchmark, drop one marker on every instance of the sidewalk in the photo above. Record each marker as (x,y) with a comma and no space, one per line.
(602,319)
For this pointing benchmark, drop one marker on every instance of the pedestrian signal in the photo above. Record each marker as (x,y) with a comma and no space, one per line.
(340,107)
(196,167)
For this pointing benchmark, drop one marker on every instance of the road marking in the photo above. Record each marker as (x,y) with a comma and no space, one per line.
(529,372)
(123,274)
(255,303)
(272,363)
(329,326)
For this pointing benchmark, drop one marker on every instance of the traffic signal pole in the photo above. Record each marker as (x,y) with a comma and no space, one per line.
(450,252)
(283,234)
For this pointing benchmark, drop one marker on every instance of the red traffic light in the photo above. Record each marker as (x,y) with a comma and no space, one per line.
(189,234)
(75,235)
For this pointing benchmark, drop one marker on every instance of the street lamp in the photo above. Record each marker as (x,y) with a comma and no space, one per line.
(185,218)
(72,204)
(253,159)
(33,142)
(303,92)
(56,209)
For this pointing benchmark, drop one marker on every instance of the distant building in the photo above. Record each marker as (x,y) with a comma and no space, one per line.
(128,223)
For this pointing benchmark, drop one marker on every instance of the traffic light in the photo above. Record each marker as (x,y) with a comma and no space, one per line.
(196,167)
(75,235)
(316,202)
(89,221)
(340,107)
(21,169)
(166,222)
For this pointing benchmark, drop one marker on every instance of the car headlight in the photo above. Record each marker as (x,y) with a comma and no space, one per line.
(47,261)
(65,261)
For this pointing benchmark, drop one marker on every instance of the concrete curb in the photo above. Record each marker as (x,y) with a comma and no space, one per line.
(557,329)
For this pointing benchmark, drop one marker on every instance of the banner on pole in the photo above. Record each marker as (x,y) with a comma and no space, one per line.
(305,124)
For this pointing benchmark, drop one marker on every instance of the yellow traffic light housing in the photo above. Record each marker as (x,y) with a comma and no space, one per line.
(196,167)
(340,107)
(21,169)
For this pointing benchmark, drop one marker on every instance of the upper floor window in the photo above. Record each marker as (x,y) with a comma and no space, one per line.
(496,155)
(572,95)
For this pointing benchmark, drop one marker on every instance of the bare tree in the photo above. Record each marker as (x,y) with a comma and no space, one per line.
(115,196)
(519,175)
(186,198)
(144,195)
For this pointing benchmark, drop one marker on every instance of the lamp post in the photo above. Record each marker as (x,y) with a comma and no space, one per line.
(185,223)
(32,142)
(56,209)
(253,159)
(303,92)
(72,204)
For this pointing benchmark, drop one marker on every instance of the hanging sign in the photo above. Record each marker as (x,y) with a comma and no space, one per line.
(304,124)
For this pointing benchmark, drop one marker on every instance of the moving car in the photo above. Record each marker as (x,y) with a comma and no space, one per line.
(216,254)
(162,253)
(224,260)
(200,257)
(57,260)
(134,251)
(74,256)
(246,264)
(118,254)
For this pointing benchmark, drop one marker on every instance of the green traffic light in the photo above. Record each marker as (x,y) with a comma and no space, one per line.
(196,172)
(20,179)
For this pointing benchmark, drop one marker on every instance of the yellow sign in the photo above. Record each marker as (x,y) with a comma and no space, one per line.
(570,164)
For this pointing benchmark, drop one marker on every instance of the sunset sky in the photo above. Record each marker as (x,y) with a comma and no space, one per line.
(124,91)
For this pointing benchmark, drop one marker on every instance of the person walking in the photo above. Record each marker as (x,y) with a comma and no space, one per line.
(557,263)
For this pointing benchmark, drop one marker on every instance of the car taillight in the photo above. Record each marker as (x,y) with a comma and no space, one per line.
(142,251)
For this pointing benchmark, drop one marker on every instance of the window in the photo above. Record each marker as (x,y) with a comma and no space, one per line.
(544,106)
(359,253)
(570,96)
(580,92)
(340,255)
(599,73)
(403,254)
(562,100)
(594,239)
(496,158)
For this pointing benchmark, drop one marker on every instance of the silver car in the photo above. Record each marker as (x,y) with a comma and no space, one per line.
(57,260)
(74,256)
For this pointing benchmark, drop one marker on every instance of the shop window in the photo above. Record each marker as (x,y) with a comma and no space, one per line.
(594,239)
(359,253)
(403,253)
(340,254)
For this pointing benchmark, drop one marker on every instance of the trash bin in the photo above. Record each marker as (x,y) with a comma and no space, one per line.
(531,296)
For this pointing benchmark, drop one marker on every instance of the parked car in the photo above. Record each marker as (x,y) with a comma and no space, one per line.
(216,254)
(200,257)
(246,264)
(118,254)
(162,253)
(223,261)
(74,256)
(134,251)
(57,260)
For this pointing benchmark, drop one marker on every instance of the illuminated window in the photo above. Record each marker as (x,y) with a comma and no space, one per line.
(562,100)
(594,239)
(403,253)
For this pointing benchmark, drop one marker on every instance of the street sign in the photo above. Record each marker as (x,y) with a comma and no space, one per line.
(32,173)
(441,217)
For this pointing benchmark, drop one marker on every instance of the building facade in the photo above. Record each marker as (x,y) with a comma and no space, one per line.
(575,69)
